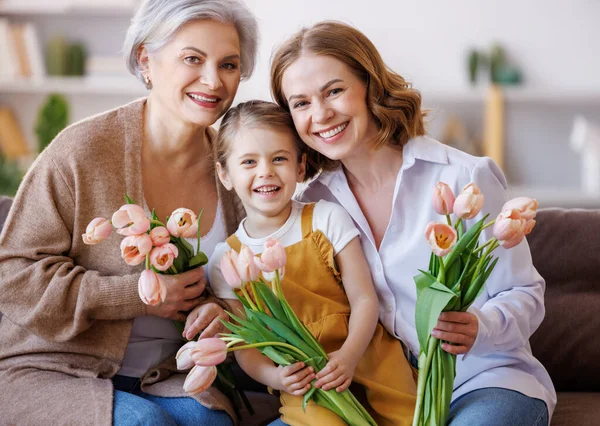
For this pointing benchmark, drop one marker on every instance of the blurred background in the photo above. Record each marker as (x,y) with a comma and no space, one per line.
(518,80)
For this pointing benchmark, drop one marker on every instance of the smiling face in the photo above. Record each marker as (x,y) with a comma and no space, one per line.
(195,76)
(263,169)
(328,104)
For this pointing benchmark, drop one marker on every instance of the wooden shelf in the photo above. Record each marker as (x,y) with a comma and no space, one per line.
(126,8)
(102,86)
(513,95)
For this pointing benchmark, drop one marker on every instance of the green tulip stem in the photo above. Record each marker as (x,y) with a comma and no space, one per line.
(256,298)
(442,274)
(156,222)
(491,240)
(148,261)
(449,220)
(233,342)
(491,248)
(424,372)
(247,296)
(487,225)
(262,344)
(173,270)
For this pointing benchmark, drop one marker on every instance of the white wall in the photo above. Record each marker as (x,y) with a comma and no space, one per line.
(556,43)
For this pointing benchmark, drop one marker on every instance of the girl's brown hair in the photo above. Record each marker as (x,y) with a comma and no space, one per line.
(253,114)
(395,106)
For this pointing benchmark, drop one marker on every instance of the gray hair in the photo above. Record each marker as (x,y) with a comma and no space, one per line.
(157,20)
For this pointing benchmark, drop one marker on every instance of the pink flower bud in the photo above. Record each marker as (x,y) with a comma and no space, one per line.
(246,267)
(469,202)
(160,236)
(442,199)
(150,288)
(228,269)
(97,231)
(162,257)
(199,379)
(441,237)
(208,352)
(273,257)
(183,223)
(184,356)
(510,227)
(135,248)
(130,219)
(526,206)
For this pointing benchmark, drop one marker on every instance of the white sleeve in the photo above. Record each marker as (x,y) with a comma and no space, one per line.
(511,307)
(215,277)
(335,223)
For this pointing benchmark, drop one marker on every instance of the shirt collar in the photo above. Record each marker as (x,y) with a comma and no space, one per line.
(419,148)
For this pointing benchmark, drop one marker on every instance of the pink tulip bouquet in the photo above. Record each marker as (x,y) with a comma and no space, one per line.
(268,324)
(458,269)
(163,248)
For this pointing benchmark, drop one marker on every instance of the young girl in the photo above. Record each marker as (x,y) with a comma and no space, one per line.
(259,156)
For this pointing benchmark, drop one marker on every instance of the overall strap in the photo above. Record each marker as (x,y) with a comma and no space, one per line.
(234,242)
(307,219)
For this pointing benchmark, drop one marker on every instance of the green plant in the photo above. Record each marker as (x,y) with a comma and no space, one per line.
(10,177)
(52,118)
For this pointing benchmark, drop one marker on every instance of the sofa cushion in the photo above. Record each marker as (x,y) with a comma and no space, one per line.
(565,246)
(577,409)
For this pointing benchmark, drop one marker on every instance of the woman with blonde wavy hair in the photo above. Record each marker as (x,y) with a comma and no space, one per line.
(364,127)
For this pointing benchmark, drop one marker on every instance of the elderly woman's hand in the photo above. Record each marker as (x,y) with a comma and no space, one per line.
(204,317)
(184,293)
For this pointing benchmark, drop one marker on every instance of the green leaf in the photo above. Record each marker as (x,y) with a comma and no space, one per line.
(189,249)
(128,200)
(287,333)
(471,235)
(307,396)
(424,280)
(431,301)
(272,302)
(277,357)
(199,259)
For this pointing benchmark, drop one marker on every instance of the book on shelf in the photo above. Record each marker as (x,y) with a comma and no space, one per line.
(20,51)
(12,142)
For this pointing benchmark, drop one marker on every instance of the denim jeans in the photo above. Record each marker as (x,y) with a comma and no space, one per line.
(134,407)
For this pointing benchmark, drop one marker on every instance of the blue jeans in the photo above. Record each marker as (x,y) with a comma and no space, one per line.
(134,407)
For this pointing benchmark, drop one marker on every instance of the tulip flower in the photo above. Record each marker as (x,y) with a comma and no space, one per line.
(229,271)
(160,236)
(97,231)
(162,257)
(441,237)
(135,248)
(442,199)
(184,356)
(528,209)
(130,219)
(208,352)
(183,223)
(508,225)
(199,379)
(150,289)
(273,257)
(469,202)
(246,266)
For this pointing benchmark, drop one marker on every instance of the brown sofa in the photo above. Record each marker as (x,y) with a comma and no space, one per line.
(565,246)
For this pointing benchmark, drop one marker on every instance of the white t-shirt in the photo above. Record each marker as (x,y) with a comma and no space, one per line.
(329,218)
(153,339)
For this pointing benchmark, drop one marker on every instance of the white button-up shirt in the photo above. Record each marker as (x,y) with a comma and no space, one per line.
(510,308)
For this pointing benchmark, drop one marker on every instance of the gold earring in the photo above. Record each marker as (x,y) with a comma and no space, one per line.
(147,80)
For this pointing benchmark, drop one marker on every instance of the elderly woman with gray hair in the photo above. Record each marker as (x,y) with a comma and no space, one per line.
(77,345)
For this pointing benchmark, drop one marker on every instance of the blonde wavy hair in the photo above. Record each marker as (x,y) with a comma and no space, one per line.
(394,104)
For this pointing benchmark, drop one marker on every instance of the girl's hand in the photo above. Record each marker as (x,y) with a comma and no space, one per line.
(337,373)
(295,379)
(204,317)
(459,328)
(183,294)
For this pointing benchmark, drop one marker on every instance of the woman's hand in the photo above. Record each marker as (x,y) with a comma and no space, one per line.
(458,328)
(205,317)
(295,379)
(338,372)
(183,294)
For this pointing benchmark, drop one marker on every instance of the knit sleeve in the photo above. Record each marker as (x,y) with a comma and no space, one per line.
(42,286)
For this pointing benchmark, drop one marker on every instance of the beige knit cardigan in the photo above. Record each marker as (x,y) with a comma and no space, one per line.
(68,307)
